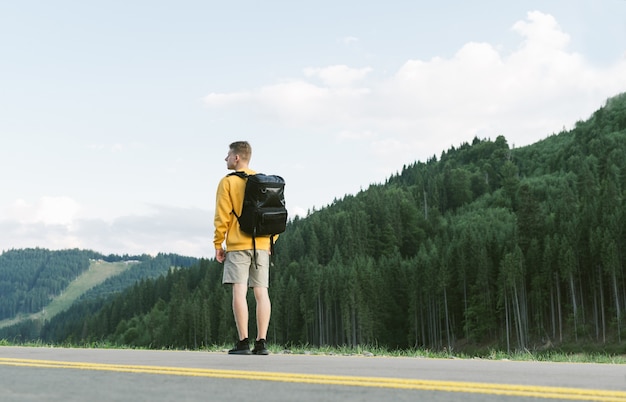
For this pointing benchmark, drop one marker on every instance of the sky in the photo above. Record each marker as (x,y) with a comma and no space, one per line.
(116,116)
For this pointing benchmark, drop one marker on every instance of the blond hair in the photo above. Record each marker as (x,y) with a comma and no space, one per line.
(243,149)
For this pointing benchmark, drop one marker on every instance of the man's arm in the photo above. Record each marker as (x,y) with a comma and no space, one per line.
(223,208)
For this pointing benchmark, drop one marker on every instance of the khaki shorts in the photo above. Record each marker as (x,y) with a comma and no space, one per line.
(239,267)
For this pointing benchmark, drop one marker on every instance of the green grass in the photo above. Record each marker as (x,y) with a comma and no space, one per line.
(98,272)
(365,351)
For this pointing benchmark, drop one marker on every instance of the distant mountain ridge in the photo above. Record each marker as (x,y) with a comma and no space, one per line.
(31,278)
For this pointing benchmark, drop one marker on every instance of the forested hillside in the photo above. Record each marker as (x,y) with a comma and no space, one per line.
(29,278)
(513,248)
(488,244)
(148,268)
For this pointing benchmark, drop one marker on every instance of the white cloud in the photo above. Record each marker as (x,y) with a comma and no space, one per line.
(217,99)
(338,76)
(185,231)
(542,33)
(525,94)
(300,103)
(348,135)
(53,223)
(47,210)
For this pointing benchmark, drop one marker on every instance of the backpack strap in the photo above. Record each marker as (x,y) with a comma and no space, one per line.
(239,173)
(245,175)
(271,250)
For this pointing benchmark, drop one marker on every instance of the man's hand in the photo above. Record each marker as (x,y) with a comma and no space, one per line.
(220,254)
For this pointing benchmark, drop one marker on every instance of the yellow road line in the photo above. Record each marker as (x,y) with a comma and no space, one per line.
(381,382)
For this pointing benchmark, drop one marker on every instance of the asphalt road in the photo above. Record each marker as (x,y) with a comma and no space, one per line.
(59,374)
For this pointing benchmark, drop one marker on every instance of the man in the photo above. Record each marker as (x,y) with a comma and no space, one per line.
(240,269)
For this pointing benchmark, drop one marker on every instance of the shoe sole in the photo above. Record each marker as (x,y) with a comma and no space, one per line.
(239,352)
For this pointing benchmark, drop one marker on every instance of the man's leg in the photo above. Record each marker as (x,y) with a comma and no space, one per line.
(259,280)
(240,309)
(263,311)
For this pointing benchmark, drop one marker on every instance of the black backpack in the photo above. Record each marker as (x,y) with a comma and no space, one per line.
(264,212)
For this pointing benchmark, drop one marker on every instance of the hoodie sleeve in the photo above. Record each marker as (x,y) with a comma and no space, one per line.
(223,215)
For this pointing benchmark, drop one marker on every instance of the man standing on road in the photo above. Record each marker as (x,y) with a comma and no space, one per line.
(240,269)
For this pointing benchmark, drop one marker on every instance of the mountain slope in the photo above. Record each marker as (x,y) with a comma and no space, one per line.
(98,272)
(38,283)
(29,278)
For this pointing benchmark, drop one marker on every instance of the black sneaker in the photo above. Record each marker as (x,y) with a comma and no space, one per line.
(242,347)
(259,348)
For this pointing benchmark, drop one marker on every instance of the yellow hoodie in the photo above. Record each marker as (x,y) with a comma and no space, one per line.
(230,192)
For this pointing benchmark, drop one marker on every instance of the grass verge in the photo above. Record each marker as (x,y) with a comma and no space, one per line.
(365,351)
